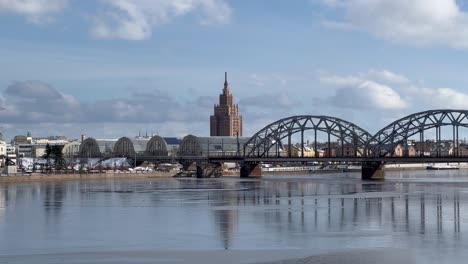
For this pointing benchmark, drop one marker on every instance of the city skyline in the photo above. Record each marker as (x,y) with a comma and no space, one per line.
(338,133)
(336,58)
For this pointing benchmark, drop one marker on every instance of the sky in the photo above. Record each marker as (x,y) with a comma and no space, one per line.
(112,68)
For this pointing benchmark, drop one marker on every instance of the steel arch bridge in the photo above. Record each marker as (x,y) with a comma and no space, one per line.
(371,151)
(267,142)
(383,143)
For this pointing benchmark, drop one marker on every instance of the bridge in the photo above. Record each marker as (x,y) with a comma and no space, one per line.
(339,141)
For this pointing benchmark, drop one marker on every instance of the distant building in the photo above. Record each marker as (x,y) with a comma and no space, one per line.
(296,151)
(20,140)
(10,153)
(24,150)
(95,148)
(226,120)
(348,150)
(3,148)
(3,152)
(10,150)
(212,146)
(462,150)
(27,146)
(71,149)
(401,151)
(173,145)
(128,147)
(37,150)
(329,152)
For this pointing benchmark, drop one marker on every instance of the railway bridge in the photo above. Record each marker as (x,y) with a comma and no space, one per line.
(434,133)
(433,136)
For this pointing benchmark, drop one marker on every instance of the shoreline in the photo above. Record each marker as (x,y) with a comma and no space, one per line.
(39,177)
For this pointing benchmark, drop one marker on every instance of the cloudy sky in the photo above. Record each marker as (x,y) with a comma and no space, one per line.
(108,68)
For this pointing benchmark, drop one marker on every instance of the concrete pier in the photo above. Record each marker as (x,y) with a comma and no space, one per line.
(251,170)
(209,170)
(373,171)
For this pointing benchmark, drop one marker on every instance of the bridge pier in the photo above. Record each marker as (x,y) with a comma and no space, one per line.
(200,172)
(373,170)
(251,170)
(209,170)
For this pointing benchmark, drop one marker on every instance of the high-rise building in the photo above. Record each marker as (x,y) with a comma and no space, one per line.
(226,120)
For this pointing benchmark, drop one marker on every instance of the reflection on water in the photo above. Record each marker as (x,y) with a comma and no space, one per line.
(321,213)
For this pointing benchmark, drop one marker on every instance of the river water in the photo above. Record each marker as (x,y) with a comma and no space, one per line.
(411,217)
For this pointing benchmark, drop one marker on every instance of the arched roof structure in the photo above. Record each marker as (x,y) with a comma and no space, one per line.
(126,147)
(190,146)
(71,149)
(156,146)
(89,148)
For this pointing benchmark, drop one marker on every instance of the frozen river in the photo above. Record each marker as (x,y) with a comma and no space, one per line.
(411,217)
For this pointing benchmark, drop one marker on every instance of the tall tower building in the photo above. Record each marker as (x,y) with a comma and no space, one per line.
(226,120)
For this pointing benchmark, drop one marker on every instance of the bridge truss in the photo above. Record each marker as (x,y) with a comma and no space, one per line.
(268,141)
(383,143)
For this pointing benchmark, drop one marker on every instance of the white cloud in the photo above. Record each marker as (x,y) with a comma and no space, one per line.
(384,76)
(415,22)
(32,90)
(340,80)
(440,98)
(386,90)
(32,104)
(388,76)
(36,11)
(135,19)
(36,101)
(368,95)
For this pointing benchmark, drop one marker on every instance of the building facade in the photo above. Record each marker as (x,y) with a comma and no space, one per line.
(226,120)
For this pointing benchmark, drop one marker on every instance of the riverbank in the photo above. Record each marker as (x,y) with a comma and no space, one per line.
(84,176)
(35,177)
(422,166)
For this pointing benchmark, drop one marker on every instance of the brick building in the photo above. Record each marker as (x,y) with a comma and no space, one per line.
(226,120)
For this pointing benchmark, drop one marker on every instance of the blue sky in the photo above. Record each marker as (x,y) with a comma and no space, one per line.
(110,68)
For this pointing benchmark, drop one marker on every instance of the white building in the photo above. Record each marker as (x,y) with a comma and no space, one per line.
(10,153)
(10,149)
(3,148)
(71,149)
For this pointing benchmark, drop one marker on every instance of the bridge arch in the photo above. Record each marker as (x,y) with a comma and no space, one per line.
(267,141)
(384,142)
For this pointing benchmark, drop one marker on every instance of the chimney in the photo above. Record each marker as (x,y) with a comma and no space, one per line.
(83,137)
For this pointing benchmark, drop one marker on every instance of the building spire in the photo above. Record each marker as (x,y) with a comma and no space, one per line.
(226,120)
(226,85)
